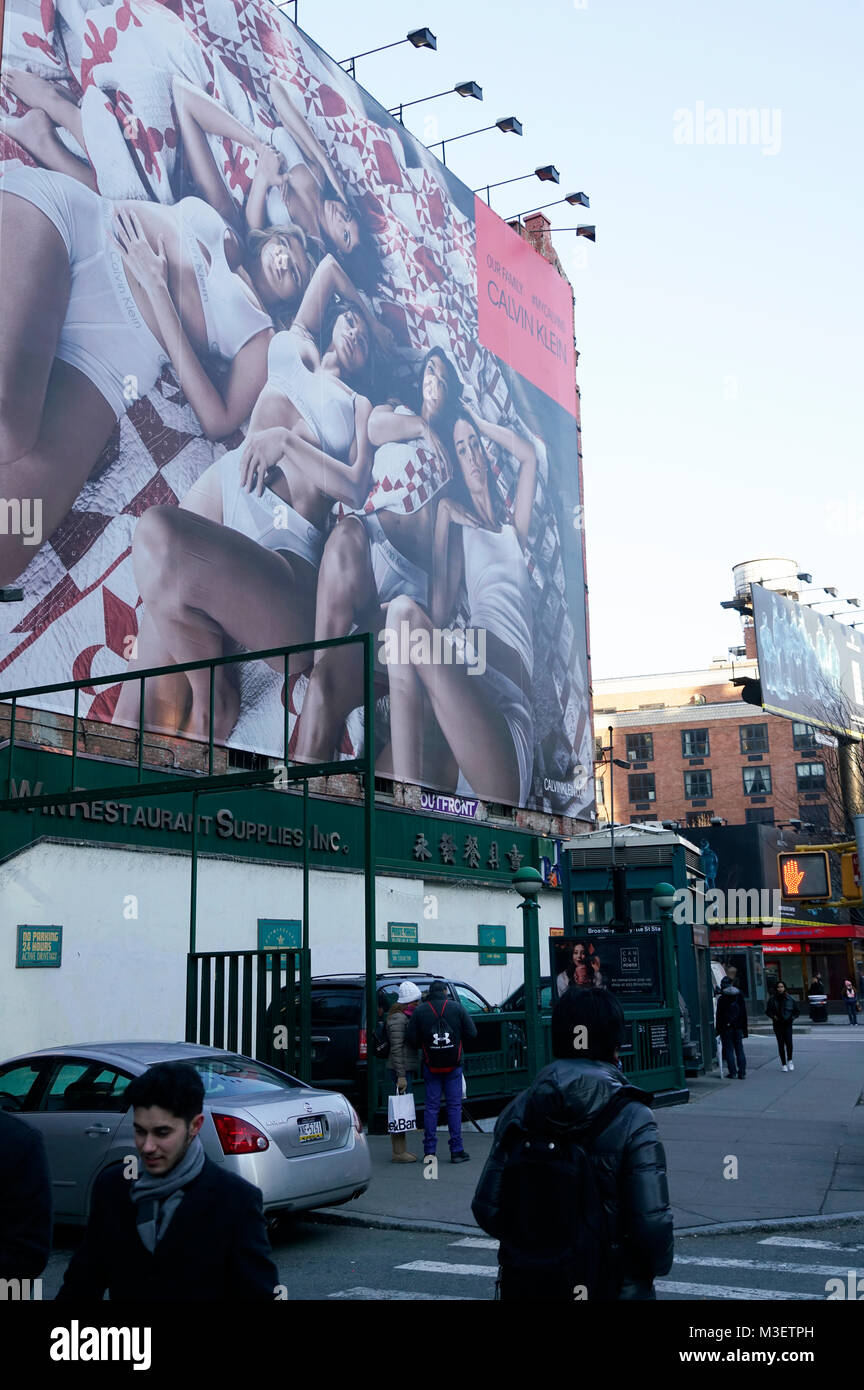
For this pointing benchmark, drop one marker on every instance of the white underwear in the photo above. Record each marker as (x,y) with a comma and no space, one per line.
(511,701)
(103,334)
(267,519)
(394,574)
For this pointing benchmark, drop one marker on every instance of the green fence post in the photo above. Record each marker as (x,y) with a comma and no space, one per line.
(369,871)
(528,882)
(664,895)
(305,991)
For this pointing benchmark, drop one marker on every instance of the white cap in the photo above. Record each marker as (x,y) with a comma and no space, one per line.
(408,993)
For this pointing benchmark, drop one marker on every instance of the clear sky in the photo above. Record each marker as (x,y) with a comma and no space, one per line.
(719,314)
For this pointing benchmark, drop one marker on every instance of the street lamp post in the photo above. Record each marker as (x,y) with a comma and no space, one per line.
(528,883)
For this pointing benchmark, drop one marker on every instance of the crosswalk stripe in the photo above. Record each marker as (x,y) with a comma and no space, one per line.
(776,1266)
(720,1291)
(442,1267)
(798,1243)
(476,1243)
(397,1295)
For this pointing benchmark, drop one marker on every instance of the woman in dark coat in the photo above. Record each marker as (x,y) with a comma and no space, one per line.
(782,1010)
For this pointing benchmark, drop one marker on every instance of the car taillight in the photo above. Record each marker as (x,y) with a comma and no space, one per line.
(361,1055)
(238,1136)
(355,1119)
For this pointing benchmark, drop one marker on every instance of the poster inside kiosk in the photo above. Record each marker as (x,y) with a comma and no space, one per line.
(39,946)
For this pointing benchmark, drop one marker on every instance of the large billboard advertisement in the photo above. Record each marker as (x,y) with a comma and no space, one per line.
(810,666)
(269,374)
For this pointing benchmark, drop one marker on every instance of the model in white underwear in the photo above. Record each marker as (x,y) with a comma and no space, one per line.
(237,561)
(294,183)
(482,706)
(97,297)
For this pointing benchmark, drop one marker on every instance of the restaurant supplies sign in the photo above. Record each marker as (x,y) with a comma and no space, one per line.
(290,379)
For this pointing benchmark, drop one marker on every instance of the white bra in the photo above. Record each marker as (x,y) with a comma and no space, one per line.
(230,316)
(325,403)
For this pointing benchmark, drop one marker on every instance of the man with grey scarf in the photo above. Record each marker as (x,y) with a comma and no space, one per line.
(180,1227)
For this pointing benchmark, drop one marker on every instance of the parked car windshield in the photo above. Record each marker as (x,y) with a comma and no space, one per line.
(233,1078)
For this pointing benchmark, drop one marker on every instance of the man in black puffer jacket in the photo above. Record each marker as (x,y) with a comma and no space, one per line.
(627,1158)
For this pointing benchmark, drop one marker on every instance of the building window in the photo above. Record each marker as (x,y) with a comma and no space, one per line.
(754,738)
(697,784)
(598,748)
(600,791)
(803,736)
(640,748)
(758,815)
(820,815)
(638,820)
(641,786)
(253,762)
(700,819)
(757,780)
(811,778)
(695,743)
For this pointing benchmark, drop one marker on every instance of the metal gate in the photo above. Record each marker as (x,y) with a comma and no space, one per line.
(252,1002)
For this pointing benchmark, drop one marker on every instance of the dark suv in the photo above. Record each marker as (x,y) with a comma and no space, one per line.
(341,1034)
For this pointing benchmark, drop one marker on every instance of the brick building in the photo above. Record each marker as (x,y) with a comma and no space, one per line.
(694,750)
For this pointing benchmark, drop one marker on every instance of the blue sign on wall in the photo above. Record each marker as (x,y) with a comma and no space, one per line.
(39,946)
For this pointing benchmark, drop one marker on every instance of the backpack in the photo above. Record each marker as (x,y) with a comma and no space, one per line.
(735,1013)
(554,1237)
(381,1040)
(441,1041)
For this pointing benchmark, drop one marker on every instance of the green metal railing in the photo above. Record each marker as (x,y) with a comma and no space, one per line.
(217,1014)
(251,1002)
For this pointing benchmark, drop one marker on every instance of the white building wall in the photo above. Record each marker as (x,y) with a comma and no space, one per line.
(125,920)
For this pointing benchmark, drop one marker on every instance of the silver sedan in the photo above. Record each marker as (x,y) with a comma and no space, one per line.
(302,1147)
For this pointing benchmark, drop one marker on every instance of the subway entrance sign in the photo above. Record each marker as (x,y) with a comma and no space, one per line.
(804,875)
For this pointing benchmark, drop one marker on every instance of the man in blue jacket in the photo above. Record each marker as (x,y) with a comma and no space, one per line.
(183,1228)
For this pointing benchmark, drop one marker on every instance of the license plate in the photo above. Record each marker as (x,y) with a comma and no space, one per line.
(311,1129)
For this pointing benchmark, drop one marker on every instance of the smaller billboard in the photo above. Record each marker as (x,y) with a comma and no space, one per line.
(810,666)
(627,963)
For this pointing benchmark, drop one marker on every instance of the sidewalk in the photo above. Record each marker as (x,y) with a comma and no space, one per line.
(795,1141)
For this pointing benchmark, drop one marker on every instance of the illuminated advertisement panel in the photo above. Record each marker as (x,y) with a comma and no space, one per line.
(810,666)
(269,374)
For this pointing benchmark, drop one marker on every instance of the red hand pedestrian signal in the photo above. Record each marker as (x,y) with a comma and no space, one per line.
(792,877)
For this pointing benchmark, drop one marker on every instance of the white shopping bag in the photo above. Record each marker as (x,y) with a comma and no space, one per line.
(720,1054)
(401,1115)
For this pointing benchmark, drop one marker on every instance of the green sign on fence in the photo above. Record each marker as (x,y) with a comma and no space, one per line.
(39,946)
(399,958)
(491,936)
(285,933)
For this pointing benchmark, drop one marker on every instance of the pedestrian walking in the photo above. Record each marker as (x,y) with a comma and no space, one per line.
(782,1009)
(25,1200)
(575,1188)
(404,1063)
(851,1000)
(731,1028)
(437,1028)
(182,1228)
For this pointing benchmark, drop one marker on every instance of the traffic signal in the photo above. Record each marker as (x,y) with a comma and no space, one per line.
(850,877)
(804,875)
